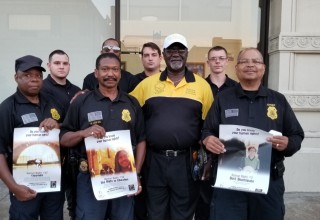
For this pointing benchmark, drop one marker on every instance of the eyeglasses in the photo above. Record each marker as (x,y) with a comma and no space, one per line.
(108,48)
(248,61)
(173,51)
(215,59)
(112,69)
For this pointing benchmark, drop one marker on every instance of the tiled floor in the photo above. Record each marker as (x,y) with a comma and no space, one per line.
(299,206)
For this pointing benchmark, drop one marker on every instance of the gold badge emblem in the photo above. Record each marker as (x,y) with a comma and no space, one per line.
(126,115)
(272,112)
(83,167)
(55,114)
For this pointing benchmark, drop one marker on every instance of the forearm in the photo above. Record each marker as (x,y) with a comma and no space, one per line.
(5,174)
(140,155)
(294,145)
(71,139)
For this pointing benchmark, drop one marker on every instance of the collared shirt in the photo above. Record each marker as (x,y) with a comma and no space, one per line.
(127,82)
(268,110)
(123,113)
(17,111)
(62,94)
(227,84)
(140,76)
(173,114)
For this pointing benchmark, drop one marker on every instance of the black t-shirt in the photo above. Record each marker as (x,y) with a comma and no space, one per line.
(61,94)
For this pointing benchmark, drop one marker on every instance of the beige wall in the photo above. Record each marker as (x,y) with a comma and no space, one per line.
(242,26)
(294,48)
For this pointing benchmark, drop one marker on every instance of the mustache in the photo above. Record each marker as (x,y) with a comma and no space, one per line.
(110,79)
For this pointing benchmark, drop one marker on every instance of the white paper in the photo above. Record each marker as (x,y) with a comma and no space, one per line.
(236,171)
(36,159)
(107,182)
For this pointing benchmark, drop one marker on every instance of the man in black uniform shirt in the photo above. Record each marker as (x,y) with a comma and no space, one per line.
(150,58)
(218,81)
(92,114)
(127,82)
(218,78)
(249,103)
(62,91)
(27,108)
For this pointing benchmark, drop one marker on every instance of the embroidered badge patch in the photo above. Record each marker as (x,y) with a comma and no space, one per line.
(126,115)
(159,88)
(272,112)
(55,114)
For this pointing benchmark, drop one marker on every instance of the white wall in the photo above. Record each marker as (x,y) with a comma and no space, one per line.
(294,48)
(39,27)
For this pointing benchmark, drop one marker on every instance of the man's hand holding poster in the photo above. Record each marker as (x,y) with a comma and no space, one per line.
(36,159)
(111,164)
(245,166)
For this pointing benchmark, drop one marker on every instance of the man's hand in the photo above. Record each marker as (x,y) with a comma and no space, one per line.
(95,130)
(24,193)
(49,124)
(214,145)
(77,94)
(279,143)
(139,189)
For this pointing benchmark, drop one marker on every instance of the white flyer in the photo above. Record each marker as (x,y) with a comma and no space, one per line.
(245,166)
(111,165)
(36,159)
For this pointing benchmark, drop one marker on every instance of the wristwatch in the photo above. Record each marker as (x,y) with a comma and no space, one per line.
(139,175)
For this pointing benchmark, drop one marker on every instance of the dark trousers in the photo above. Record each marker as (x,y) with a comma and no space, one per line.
(237,205)
(47,206)
(170,187)
(203,206)
(140,201)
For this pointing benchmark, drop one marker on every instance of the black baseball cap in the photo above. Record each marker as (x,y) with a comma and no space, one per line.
(27,62)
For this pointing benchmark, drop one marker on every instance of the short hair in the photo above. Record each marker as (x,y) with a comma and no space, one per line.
(113,39)
(249,48)
(107,55)
(60,52)
(151,45)
(252,147)
(216,48)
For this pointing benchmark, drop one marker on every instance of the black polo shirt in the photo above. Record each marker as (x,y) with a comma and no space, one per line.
(17,111)
(127,82)
(227,84)
(268,110)
(62,94)
(124,113)
(173,114)
(140,76)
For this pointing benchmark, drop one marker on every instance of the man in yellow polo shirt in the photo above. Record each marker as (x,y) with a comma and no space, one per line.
(175,103)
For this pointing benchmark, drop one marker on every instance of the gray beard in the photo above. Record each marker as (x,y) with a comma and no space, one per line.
(176,65)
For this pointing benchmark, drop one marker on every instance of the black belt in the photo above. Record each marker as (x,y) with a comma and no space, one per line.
(170,153)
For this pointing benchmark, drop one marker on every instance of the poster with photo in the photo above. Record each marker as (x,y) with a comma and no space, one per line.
(245,166)
(111,165)
(36,159)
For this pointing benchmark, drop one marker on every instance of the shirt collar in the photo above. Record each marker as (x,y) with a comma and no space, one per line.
(99,96)
(188,75)
(262,91)
(49,77)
